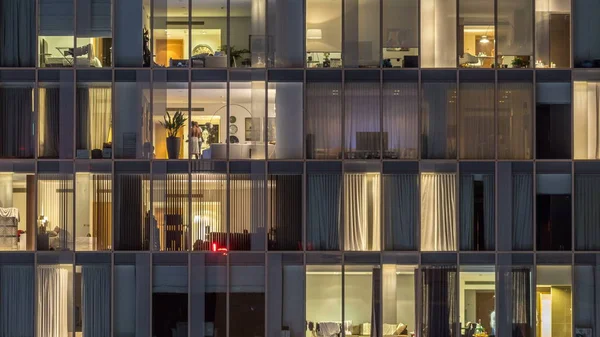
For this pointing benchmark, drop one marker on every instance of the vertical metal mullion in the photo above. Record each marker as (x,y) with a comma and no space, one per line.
(533,297)
(343,161)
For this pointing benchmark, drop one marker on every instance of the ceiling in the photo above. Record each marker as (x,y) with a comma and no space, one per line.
(201,8)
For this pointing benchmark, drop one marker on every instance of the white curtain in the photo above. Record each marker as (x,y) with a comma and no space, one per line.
(438,33)
(55,202)
(52,301)
(586,108)
(101,116)
(362,120)
(438,211)
(400,119)
(515,105)
(95,300)
(362,214)
(323,120)
(247,207)
(209,205)
(476,120)
(16,301)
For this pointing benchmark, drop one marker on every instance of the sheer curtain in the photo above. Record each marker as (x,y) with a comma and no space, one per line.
(515,104)
(515,316)
(587,211)
(102,207)
(209,206)
(52,301)
(16,122)
(16,300)
(285,211)
(17,33)
(94,116)
(323,204)
(439,301)
(362,132)
(522,211)
(400,211)
(362,229)
(323,120)
(49,126)
(476,120)
(438,33)
(438,125)
(438,211)
(586,110)
(400,120)
(55,202)
(247,208)
(95,300)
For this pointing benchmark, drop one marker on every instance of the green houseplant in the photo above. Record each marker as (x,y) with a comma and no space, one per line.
(234,54)
(173,124)
(519,62)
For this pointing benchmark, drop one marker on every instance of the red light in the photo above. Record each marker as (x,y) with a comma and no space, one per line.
(214,246)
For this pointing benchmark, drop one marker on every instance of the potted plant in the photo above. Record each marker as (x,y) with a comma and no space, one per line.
(172,125)
(519,62)
(234,54)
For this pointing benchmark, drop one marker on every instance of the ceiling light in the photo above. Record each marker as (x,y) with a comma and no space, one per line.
(484,39)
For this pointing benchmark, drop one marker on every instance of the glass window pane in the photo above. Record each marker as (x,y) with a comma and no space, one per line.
(94,210)
(515,206)
(438,120)
(247,108)
(170,24)
(94,120)
(477,211)
(247,295)
(55,210)
(133,220)
(284,202)
(585,303)
(17,47)
(285,295)
(553,208)
(438,211)
(552,33)
(585,109)
(515,108)
(247,198)
(55,117)
(56,33)
(17,129)
(208,298)
(208,121)
(323,203)
(170,118)
(18,201)
(324,297)
(478,305)
(362,212)
(133,121)
(17,296)
(131,295)
(438,291)
(170,207)
(438,33)
(362,120)
(323,34)
(553,121)
(400,210)
(361,292)
(92,297)
(398,294)
(476,119)
(284,120)
(361,33)
(586,49)
(54,297)
(209,207)
(286,32)
(323,120)
(249,42)
(170,295)
(586,192)
(132,38)
(476,37)
(515,33)
(94,34)
(400,33)
(209,34)
(553,300)
(400,120)
(515,301)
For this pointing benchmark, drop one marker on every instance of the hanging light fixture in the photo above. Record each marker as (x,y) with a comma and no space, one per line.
(484,39)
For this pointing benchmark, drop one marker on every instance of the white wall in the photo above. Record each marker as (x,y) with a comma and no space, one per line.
(327,16)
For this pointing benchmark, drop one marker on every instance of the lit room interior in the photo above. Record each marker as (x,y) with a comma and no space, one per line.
(171,34)
(553,33)
(477,299)
(55,211)
(94,34)
(553,301)
(17,215)
(479,46)
(93,207)
(94,121)
(324,300)
(324,33)
(246,120)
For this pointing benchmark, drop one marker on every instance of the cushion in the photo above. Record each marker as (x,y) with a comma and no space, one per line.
(400,329)
(389,329)
(365,329)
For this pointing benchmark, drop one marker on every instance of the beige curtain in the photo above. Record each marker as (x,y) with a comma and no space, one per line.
(100,116)
(209,205)
(586,107)
(52,301)
(438,212)
(362,219)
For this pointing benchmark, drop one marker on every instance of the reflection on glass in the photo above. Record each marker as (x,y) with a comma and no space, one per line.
(515,105)
(553,34)
(438,124)
(515,301)
(477,294)
(400,33)
(361,41)
(324,34)
(285,295)
(248,41)
(208,297)
(286,32)
(400,120)
(515,34)
(553,301)
(132,41)
(438,33)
